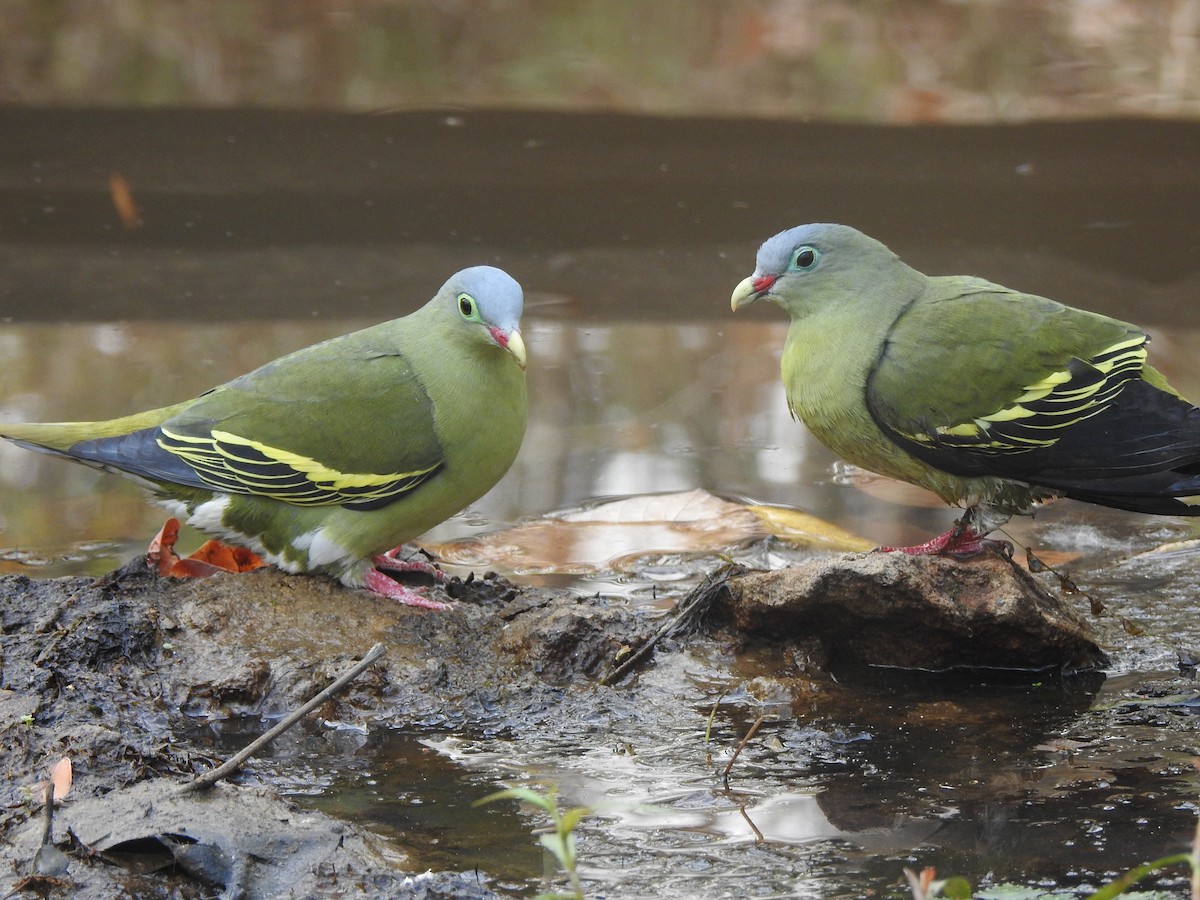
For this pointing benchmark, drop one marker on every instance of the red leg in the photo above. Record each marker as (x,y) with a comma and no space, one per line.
(962,541)
(377,582)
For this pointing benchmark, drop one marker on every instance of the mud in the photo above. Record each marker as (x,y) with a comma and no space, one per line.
(115,673)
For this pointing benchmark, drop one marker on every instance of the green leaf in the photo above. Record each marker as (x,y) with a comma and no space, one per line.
(1136,874)
(572,817)
(526,795)
(956,888)
(557,846)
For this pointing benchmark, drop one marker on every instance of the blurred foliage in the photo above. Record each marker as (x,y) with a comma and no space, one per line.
(870,60)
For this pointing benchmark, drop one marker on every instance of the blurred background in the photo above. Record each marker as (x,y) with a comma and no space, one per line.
(883,61)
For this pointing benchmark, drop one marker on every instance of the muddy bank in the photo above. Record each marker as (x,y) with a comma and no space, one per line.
(110,672)
(113,673)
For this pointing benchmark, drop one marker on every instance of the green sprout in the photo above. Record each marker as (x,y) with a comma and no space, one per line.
(923,886)
(560,840)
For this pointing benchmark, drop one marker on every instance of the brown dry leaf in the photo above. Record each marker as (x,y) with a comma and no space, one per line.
(60,778)
(225,557)
(1132,628)
(212,558)
(588,540)
(161,553)
(616,533)
(123,202)
(1052,558)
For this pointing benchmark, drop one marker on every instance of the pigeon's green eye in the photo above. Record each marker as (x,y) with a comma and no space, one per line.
(466,306)
(805,258)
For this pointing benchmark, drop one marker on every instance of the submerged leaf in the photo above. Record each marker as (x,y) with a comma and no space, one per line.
(123,202)
(526,795)
(799,527)
(614,534)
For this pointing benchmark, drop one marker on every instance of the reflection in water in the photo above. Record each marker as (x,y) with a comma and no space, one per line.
(615,409)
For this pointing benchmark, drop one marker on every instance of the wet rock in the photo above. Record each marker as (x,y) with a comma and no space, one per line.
(564,637)
(983,615)
(110,672)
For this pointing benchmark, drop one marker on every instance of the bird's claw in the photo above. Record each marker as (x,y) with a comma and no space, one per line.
(391,562)
(380,583)
(377,581)
(960,542)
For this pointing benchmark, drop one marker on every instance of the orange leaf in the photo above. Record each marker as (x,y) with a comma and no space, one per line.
(247,560)
(211,558)
(60,778)
(161,555)
(194,568)
(123,202)
(227,557)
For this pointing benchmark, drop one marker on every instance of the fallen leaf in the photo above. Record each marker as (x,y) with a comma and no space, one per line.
(889,489)
(799,527)
(161,554)
(123,202)
(1173,548)
(225,557)
(212,558)
(60,778)
(615,534)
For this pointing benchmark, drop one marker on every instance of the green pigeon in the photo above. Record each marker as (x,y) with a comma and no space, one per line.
(991,398)
(329,458)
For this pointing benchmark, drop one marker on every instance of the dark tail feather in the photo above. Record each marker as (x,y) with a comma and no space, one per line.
(136,455)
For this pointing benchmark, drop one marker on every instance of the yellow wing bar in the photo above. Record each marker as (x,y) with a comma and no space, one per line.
(230,462)
(1060,399)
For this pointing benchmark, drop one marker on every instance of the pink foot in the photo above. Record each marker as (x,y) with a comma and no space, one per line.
(391,562)
(962,541)
(377,582)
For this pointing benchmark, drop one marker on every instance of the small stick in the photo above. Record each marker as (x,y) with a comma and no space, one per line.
(758,835)
(712,714)
(48,829)
(740,747)
(686,614)
(234,762)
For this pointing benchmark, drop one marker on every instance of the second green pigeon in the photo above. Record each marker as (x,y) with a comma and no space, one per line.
(329,458)
(991,398)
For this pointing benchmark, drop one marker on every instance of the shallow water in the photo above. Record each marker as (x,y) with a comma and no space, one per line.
(262,233)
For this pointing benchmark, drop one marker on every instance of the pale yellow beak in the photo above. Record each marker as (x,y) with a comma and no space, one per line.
(516,346)
(743,294)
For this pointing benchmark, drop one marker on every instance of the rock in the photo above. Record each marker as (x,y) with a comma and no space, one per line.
(922,613)
(563,641)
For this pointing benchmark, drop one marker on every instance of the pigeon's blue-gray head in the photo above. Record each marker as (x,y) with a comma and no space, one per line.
(804,258)
(492,300)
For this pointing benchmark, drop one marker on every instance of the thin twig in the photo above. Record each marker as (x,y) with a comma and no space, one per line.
(741,747)
(712,715)
(758,835)
(48,828)
(685,615)
(234,762)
